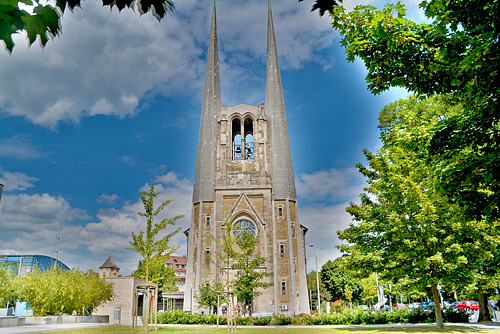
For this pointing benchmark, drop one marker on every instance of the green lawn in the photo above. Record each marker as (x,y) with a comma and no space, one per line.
(280,330)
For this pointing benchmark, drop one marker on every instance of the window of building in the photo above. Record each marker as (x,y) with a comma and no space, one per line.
(293,230)
(244,225)
(280,211)
(283,287)
(208,222)
(242,139)
(249,148)
(236,136)
(207,256)
(248,131)
(282,250)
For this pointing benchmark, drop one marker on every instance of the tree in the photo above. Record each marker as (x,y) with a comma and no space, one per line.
(337,279)
(207,295)
(159,273)
(250,275)
(312,286)
(55,291)
(7,293)
(456,54)
(45,20)
(225,253)
(153,251)
(405,228)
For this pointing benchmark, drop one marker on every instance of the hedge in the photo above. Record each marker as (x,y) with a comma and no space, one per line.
(347,317)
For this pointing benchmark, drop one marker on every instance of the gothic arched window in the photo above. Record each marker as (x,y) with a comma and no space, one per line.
(244,225)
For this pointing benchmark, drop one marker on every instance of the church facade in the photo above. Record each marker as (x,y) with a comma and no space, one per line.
(244,171)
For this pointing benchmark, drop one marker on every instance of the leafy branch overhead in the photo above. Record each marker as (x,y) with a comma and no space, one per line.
(454,53)
(45,20)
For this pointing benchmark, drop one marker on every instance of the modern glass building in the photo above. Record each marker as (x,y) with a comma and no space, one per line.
(23,264)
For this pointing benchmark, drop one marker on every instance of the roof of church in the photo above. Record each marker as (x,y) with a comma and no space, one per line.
(110,263)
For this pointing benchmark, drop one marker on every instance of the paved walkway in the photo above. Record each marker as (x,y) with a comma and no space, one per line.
(58,327)
(45,328)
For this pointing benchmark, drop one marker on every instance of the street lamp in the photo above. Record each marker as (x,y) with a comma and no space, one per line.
(317,276)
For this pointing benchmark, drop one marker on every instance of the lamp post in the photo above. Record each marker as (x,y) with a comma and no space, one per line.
(317,276)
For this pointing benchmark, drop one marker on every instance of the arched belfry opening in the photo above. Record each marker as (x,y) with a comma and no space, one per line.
(242,136)
(236,136)
(248,128)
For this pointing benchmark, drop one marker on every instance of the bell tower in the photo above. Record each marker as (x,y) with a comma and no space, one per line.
(244,170)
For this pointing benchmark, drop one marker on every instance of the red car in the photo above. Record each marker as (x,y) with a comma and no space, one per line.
(468,305)
(400,306)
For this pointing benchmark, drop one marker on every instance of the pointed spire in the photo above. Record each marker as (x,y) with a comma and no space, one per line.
(204,180)
(109,263)
(281,156)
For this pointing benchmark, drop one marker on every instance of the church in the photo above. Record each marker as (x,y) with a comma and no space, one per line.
(244,171)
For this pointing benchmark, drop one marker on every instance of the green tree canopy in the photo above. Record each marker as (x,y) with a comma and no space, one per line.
(159,273)
(404,227)
(250,275)
(456,53)
(56,292)
(337,279)
(207,295)
(7,293)
(153,250)
(312,286)
(45,20)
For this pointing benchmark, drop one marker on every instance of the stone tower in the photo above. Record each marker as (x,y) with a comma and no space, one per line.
(244,170)
(109,269)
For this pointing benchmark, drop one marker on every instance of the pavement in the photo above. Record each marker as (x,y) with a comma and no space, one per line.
(46,328)
(59,327)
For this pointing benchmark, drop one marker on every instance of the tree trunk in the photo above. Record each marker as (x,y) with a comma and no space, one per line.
(437,307)
(484,312)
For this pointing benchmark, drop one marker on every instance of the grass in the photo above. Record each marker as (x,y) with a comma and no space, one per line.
(280,330)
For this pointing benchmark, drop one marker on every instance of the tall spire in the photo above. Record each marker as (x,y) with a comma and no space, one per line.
(204,180)
(281,156)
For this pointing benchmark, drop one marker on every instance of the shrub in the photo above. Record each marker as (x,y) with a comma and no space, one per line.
(347,317)
(56,292)
(281,320)
(264,321)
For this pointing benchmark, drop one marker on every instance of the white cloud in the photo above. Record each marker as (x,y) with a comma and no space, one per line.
(323,223)
(327,194)
(106,198)
(127,159)
(30,224)
(16,181)
(111,63)
(29,212)
(333,184)
(18,147)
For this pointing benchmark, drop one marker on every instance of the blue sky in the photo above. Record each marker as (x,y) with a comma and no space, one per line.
(113,104)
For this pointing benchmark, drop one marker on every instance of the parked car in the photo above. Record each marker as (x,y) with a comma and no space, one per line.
(364,307)
(400,306)
(467,305)
(414,306)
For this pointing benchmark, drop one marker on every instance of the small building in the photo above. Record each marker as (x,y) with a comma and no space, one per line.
(109,269)
(128,295)
(179,263)
(175,300)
